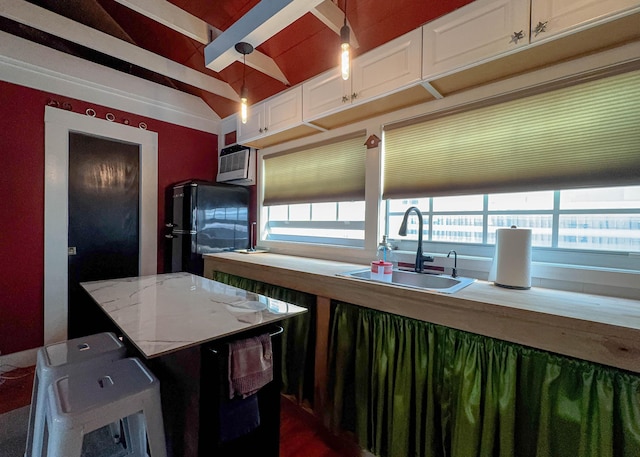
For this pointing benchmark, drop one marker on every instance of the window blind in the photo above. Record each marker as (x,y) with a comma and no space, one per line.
(323,173)
(580,136)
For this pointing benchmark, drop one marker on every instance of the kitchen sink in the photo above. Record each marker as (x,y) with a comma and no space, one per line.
(425,281)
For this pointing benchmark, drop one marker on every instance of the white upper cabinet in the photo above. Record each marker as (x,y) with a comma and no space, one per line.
(486,29)
(386,69)
(254,126)
(325,93)
(274,115)
(284,111)
(477,31)
(551,17)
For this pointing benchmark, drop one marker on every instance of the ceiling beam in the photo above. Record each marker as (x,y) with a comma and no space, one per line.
(181,21)
(170,15)
(333,17)
(46,21)
(262,22)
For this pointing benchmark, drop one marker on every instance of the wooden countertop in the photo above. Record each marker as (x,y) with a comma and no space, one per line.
(591,327)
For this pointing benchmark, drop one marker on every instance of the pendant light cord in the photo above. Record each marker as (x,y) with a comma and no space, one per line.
(244,68)
(345,12)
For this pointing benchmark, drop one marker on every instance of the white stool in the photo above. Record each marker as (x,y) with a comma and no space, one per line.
(58,359)
(83,402)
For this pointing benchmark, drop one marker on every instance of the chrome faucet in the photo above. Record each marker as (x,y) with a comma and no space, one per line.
(454,273)
(420,259)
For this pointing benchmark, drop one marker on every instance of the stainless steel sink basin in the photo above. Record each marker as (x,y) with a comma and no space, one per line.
(425,281)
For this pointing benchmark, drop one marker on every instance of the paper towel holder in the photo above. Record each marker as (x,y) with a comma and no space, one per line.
(506,278)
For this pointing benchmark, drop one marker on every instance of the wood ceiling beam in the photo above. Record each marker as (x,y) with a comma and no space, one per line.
(46,21)
(258,25)
(333,17)
(181,21)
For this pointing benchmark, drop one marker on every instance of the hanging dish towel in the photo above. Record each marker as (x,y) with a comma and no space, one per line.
(250,365)
(238,417)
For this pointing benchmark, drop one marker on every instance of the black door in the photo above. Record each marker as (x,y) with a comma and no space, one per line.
(104,177)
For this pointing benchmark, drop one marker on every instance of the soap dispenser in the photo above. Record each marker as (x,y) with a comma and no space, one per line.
(385,251)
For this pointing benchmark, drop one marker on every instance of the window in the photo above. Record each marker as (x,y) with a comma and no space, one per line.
(543,161)
(337,223)
(597,220)
(316,194)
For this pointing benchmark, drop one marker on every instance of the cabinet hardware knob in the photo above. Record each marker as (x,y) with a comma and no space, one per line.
(541,27)
(260,130)
(345,99)
(354,96)
(517,36)
(265,129)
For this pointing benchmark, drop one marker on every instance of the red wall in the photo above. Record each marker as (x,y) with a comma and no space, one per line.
(183,154)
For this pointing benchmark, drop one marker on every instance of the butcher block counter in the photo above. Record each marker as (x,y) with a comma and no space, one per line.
(596,328)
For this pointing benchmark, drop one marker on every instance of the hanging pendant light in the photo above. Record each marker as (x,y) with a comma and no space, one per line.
(345,58)
(244,49)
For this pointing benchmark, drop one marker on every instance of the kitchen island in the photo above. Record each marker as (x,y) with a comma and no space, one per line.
(179,324)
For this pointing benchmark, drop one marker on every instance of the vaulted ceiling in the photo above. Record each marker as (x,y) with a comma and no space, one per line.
(294,40)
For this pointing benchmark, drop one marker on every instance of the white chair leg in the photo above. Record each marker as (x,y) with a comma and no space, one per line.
(65,443)
(32,419)
(155,429)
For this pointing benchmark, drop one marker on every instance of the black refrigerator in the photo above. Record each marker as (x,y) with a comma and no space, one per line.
(205,217)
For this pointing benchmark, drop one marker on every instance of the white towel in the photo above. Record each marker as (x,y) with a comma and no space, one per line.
(250,365)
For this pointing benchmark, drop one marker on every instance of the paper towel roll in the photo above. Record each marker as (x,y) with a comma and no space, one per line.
(512,260)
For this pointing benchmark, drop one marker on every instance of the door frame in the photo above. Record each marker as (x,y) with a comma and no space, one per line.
(58,124)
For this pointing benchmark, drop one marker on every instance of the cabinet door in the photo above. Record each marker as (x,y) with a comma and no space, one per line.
(476,32)
(325,94)
(557,16)
(283,111)
(254,127)
(388,68)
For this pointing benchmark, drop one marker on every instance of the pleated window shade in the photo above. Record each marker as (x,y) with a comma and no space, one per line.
(325,173)
(580,136)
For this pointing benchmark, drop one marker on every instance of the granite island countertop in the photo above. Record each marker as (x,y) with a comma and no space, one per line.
(165,313)
(597,328)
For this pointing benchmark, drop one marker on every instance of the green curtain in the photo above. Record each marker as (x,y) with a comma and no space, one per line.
(298,339)
(411,388)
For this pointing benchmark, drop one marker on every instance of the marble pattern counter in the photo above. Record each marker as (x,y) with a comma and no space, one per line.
(165,313)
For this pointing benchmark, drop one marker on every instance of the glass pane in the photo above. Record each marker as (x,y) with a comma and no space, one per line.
(400,206)
(318,233)
(351,211)
(279,213)
(412,227)
(600,232)
(521,201)
(603,198)
(323,211)
(461,229)
(540,223)
(301,212)
(458,203)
